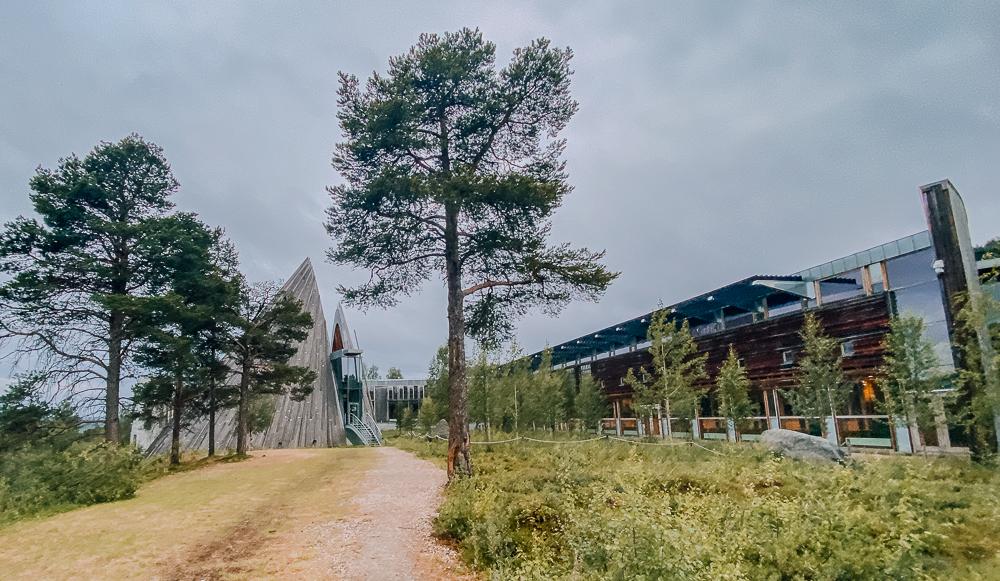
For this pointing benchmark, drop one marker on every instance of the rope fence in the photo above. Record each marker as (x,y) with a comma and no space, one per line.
(615,438)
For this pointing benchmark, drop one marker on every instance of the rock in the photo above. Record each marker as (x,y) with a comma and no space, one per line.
(802,446)
(441,429)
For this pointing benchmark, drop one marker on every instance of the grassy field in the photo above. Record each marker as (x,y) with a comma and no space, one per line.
(608,510)
(227,520)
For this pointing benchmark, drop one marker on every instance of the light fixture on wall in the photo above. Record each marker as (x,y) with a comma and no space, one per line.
(938,266)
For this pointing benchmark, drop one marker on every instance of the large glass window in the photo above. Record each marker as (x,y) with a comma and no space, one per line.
(911,269)
(925,301)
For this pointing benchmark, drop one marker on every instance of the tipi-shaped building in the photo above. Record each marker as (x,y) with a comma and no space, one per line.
(316,421)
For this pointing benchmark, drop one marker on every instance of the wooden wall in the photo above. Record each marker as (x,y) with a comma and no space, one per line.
(865,320)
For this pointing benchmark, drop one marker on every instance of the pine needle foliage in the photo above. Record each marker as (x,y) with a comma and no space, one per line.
(671,379)
(591,402)
(74,272)
(822,389)
(733,391)
(453,168)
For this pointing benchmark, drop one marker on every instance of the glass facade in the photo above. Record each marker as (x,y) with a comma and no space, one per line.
(917,291)
(910,269)
(843,286)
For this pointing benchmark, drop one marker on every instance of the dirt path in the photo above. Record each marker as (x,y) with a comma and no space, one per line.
(388,533)
(345,513)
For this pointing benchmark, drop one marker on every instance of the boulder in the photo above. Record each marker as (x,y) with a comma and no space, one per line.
(441,429)
(794,444)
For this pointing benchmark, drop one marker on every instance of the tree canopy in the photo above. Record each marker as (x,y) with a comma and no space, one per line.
(671,378)
(453,167)
(822,389)
(733,390)
(268,326)
(76,268)
(180,346)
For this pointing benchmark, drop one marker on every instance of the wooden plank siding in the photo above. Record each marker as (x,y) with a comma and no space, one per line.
(864,320)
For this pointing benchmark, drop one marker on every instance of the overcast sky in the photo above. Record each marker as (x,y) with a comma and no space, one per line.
(714,140)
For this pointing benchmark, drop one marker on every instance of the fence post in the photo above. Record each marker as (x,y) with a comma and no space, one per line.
(831,430)
(903,443)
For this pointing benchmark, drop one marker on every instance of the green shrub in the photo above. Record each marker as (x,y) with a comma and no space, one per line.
(39,480)
(606,510)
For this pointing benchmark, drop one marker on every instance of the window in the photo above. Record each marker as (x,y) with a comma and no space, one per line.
(621,381)
(787,357)
(911,269)
(741,362)
(847,348)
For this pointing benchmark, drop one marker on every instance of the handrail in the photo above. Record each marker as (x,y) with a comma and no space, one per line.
(368,423)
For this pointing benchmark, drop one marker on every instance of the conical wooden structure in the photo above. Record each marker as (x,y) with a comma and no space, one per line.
(316,421)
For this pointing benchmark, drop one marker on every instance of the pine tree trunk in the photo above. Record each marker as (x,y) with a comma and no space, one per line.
(175,433)
(211,418)
(111,403)
(241,413)
(459,459)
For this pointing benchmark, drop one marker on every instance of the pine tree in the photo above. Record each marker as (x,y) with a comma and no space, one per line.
(268,325)
(404,422)
(28,418)
(437,381)
(822,388)
(544,402)
(672,376)
(428,414)
(181,322)
(453,168)
(733,391)
(591,403)
(75,272)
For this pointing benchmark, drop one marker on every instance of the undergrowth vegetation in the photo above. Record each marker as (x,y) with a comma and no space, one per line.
(45,480)
(607,510)
(49,463)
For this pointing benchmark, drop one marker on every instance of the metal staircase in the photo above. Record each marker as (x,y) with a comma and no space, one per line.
(365,429)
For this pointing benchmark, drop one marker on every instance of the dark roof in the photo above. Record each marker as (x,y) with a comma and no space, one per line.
(743,296)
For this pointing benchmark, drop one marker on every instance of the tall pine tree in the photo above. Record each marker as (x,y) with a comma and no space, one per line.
(453,168)
(183,322)
(75,270)
(268,325)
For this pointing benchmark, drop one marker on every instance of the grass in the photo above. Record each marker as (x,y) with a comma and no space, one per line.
(219,521)
(608,510)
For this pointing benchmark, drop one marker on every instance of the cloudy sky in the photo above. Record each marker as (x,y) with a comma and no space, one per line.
(714,140)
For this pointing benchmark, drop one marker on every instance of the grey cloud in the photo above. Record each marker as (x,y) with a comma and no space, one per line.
(714,140)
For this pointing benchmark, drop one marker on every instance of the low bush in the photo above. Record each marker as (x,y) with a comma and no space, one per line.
(608,510)
(41,480)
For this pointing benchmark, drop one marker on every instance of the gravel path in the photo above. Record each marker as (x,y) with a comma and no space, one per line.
(388,535)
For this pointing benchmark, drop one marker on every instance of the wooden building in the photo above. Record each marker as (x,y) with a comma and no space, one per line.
(854,297)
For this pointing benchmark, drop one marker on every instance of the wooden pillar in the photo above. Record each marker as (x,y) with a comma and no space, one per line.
(941,423)
(956,265)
